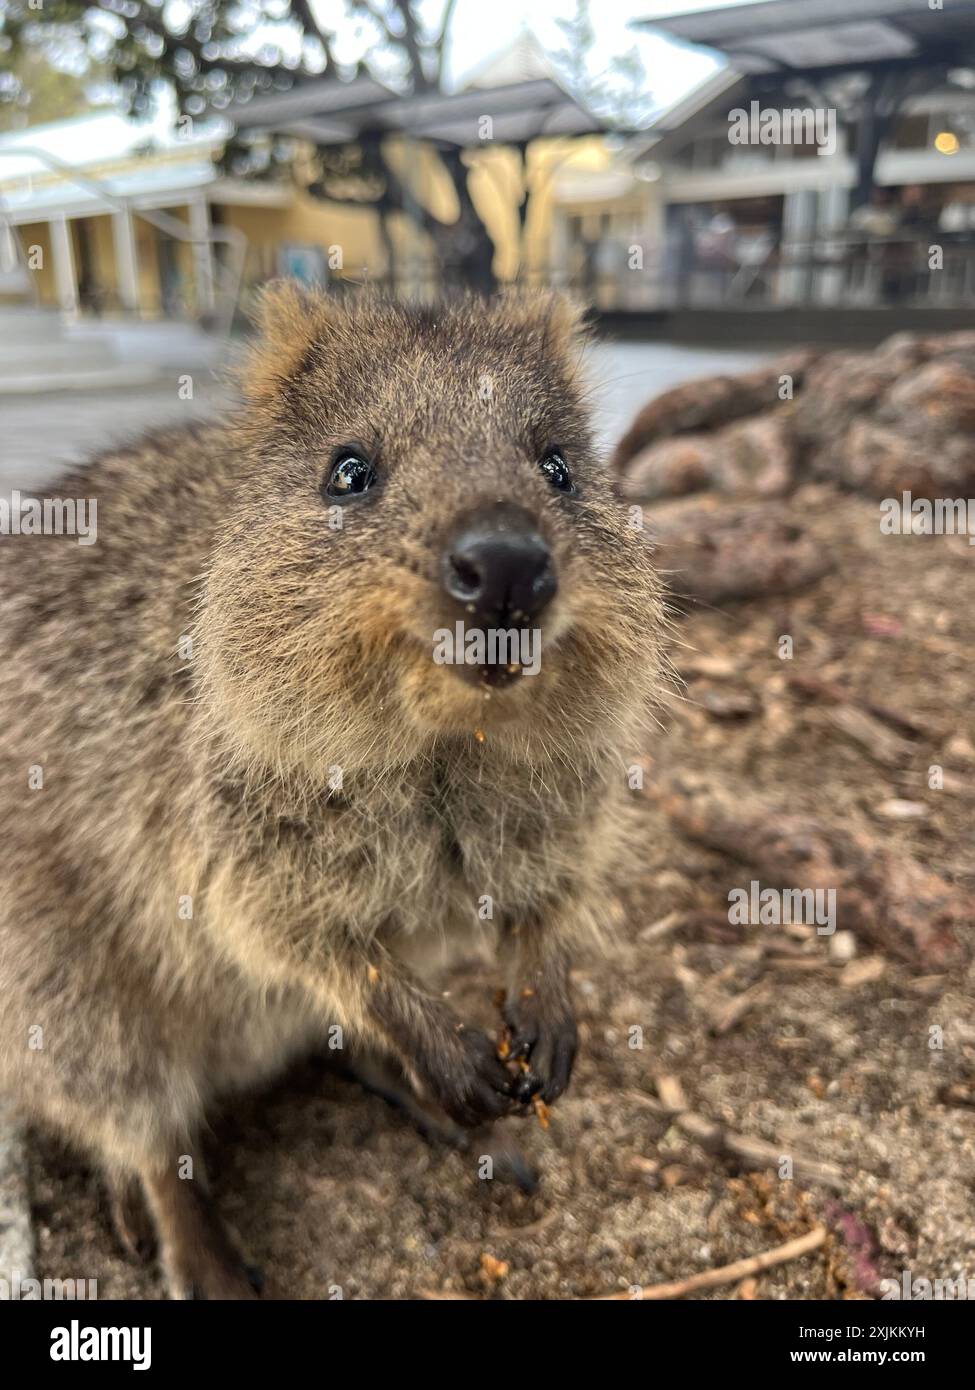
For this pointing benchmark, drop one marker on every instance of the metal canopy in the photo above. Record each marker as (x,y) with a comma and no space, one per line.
(329,112)
(804,35)
(323,97)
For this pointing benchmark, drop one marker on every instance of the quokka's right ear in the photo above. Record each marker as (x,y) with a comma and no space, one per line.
(288,317)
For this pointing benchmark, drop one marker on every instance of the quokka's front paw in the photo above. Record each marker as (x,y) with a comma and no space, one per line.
(468,1080)
(546,1038)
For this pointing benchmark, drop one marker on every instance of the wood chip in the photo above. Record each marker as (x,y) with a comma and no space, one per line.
(757,1153)
(671,1093)
(895,809)
(862,972)
(662,927)
(870,735)
(728,1015)
(492,1269)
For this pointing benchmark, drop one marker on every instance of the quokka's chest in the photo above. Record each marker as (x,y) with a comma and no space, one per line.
(448,858)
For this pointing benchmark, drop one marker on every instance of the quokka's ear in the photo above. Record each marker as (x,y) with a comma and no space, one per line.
(288,317)
(557,319)
(567,324)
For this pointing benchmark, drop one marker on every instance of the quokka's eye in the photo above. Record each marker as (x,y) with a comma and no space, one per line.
(350,475)
(555,468)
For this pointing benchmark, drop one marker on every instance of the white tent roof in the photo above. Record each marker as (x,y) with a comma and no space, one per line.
(36,163)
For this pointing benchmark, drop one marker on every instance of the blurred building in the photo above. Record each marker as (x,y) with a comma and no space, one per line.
(864,192)
(76,193)
(83,197)
(863,197)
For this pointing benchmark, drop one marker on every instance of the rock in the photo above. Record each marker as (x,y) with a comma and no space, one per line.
(757,458)
(899,419)
(842,947)
(862,972)
(751,459)
(961,747)
(695,405)
(710,403)
(940,396)
(717,554)
(724,701)
(671,468)
(883,461)
(840,389)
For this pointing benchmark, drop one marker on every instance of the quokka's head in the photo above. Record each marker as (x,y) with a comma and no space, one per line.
(425,547)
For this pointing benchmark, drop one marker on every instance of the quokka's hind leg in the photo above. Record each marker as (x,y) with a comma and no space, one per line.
(385,1078)
(200,1256)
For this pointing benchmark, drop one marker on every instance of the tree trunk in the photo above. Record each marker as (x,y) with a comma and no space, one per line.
(464,248)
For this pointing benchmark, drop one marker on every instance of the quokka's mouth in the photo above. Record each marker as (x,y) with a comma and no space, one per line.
(490,677)
(489,657)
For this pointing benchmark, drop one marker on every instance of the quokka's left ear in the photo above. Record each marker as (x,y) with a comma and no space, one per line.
(288,317)
(568,327)
(557,320)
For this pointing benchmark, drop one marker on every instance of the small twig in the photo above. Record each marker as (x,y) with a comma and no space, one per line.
(731,1011)
(727,1274)
(535,1228)
(755,1153)
(663,927)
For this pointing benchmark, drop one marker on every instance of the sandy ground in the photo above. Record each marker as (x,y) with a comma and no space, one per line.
(333,1190)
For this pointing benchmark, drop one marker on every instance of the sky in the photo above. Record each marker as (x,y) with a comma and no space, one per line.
(481,28)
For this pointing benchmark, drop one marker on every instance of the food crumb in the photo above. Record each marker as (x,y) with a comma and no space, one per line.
(492,1269)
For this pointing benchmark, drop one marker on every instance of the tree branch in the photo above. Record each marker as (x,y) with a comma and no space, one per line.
(303,12)
(411,41)
(448,15)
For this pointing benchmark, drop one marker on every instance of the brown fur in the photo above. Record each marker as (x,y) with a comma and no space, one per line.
(210,777)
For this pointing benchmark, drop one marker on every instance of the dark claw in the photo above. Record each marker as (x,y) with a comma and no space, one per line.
(561,1068)
(526,1086)
(522,1044)
(548,1045)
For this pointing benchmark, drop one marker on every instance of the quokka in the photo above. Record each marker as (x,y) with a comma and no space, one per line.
(241,804)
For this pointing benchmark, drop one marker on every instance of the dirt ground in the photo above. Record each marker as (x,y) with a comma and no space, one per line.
(832,1063)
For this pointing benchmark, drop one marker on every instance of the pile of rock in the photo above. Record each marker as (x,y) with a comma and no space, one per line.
(900,419)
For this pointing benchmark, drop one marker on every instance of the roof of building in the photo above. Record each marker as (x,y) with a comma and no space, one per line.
(522,60)
(68,166)
(330,112)
(99,138)
(776,35)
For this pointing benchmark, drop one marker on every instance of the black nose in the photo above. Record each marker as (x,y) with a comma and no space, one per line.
(499,567)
